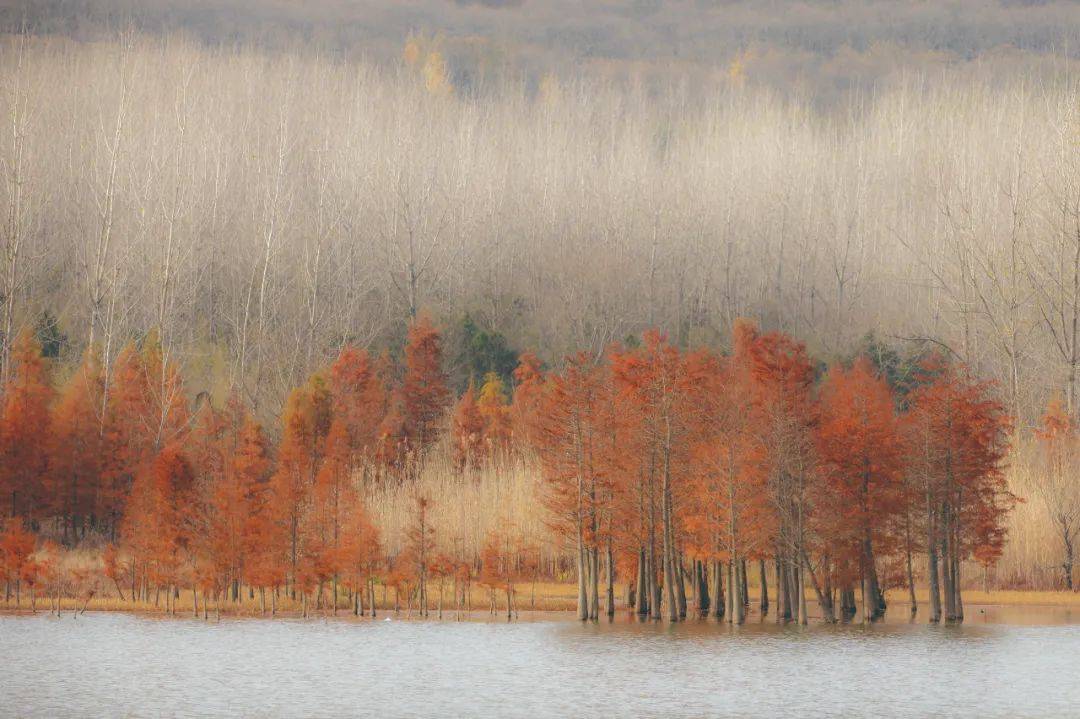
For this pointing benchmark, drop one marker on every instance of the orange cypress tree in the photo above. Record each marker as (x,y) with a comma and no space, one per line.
(495,412)
(126,444)
(572,425)
(328,510)
(861,451)
(228,452)
(261,540)
(358,549)
(958,432)
(147,410)
(306,423)
(25,430)
(498,560)
(657,383)
(163,402)
(528,395)
(153,526)
(419,551)
(78,447)
(468,431)
(730,508)
(16,548)
(781,379)
(424,394)
(359,401)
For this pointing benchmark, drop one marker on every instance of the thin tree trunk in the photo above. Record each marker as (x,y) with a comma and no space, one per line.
(736,608)
(718,589)
(702,579)
(582,568)
(932,575)
(610,571)
(910,572)
(680,586)
(764,603)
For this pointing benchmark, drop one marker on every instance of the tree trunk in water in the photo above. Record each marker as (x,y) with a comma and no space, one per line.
(824,597)
(874,605)
(669,571)
(947,576)
(791,575)
(958,601)
(680,586)
(654,585)
(784,591)
(847,603)
(744,581)
(702,578)
(582,569)
(736,608)
(780,589)
(932,575)
(693,594)
(609,561)
(764,603)
(594,587)
(910,572)
(800,591)
(718,589)
(641,593)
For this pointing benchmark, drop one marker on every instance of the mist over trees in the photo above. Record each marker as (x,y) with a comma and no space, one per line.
(259,211)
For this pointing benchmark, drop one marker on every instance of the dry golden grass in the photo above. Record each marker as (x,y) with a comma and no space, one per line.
(1033,554)
(466,506)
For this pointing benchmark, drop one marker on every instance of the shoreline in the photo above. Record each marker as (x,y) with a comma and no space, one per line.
(555,602)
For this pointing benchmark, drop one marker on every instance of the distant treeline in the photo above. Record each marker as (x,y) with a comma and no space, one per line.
(820,45)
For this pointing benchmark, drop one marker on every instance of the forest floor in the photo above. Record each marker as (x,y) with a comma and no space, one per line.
(541,597)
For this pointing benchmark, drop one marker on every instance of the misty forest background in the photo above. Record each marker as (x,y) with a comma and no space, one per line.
(261,183)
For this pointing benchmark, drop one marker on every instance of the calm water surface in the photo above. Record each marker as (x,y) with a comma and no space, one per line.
(104,665)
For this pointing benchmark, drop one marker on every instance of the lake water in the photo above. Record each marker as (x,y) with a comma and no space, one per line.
(123,665)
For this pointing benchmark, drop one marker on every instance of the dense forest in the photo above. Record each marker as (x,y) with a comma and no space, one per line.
(659,466)
(308,301)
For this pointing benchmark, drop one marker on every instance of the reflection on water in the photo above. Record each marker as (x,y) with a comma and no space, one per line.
(123,665)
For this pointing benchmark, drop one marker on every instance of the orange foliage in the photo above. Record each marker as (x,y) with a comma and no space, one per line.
(25,429)
(468,431)
(424,394)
